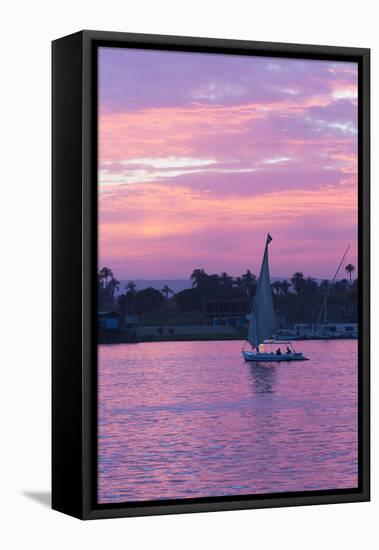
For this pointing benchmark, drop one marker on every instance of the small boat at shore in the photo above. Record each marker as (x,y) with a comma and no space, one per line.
(263,323)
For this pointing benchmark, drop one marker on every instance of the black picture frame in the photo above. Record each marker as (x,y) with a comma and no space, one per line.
(74,204)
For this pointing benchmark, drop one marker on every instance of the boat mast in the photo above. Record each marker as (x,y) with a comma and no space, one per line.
(324,304)
(263,320)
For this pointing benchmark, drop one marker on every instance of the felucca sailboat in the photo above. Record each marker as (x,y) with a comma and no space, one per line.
(263,323)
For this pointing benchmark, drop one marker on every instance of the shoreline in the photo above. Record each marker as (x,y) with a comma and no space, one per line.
(119,339)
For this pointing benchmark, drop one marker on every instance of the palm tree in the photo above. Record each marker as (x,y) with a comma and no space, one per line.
(248,282)
(297,281)
(310,286)
(105,274)
(114,285)
(226,280)
(198,277)
(350,270)
(166,290)
(131,287)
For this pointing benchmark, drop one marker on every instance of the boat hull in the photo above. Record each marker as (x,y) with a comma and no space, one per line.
(272,357)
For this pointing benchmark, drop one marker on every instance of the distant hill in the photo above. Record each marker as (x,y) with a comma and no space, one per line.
(176,285)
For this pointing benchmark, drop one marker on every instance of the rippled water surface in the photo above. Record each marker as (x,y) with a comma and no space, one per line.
(192,419)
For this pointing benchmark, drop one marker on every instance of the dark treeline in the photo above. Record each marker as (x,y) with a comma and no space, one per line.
(302,300)
(205,286)
(298,299)
(132,301)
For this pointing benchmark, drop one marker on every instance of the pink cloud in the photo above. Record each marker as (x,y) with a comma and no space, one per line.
(201,156)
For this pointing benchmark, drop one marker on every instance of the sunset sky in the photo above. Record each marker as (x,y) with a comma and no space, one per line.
(200,155)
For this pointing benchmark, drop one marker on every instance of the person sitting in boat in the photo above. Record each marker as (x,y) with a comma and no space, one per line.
(288,350)
(278,351)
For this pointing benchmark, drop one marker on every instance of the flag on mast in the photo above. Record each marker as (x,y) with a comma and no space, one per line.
(269,238)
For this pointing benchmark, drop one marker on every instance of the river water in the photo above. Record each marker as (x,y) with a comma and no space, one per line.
(192,419)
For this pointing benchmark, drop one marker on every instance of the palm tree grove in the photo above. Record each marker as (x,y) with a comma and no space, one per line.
(297,299)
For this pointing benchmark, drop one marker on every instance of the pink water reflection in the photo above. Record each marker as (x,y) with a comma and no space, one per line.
(191,419)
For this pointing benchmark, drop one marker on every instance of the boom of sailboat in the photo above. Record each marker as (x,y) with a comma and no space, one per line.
(263,322)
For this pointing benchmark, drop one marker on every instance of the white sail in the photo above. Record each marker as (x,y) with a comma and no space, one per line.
(263,320)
